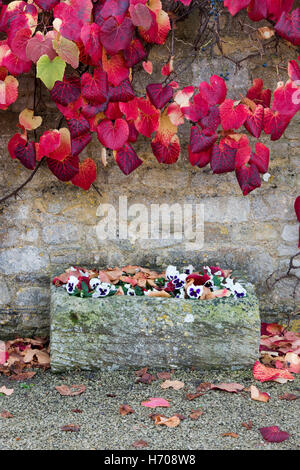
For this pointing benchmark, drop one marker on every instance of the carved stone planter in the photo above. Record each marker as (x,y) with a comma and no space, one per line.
(120,332)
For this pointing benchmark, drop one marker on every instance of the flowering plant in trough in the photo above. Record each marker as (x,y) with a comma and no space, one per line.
(211,283)
(85,53)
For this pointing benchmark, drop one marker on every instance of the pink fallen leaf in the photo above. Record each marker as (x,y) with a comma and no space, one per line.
(274,434)
(6,391)
(257,395)
(228,387)
(71,391)
(155,402)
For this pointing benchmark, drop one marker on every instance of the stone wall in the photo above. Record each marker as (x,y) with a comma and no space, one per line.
(52,224)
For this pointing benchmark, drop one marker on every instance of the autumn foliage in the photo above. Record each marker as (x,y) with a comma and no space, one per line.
(85,51)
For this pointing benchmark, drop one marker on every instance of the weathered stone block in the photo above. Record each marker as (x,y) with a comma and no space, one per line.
(120,332)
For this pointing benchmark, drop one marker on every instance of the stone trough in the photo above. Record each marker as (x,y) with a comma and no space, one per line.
(121,332)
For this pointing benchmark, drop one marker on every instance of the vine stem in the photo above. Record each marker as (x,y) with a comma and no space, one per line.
(15,191)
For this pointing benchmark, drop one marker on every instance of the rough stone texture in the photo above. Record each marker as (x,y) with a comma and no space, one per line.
(122,332)
(52,224)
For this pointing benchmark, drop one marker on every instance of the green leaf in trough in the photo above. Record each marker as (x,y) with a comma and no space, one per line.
(49,71)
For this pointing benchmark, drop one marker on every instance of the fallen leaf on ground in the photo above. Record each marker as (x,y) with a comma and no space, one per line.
(141,372)
(196,414)
(258,395)
(204,387)
(71,391)
(125,410)
(265,374)
(140,444)
(228,387)
(175,384)
(71,428)
(146,379)
(172,422)
(289,397)
(230,434)
(164,375)
(192,396)
(6,391)
(22,376)
(248,425)
(77,410)
(274,434)
(154,402)
(6,414)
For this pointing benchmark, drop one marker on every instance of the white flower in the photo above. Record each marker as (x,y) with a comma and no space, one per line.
(94,282)
(266,177)
(181,294)
(103,289)
(188,269)
(130,291)
(71,284)
(180,281)
(235,287)
(194,292)
(172,273)
(207,270)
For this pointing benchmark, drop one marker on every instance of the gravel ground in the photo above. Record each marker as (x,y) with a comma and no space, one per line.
(39,412)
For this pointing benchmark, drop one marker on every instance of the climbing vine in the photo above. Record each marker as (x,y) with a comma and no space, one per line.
(86,52)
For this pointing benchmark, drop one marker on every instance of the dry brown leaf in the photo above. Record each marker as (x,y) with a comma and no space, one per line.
(289,397)
(140,444)
(125,410)
(22,376)
(70,428)
(196,414)
(204,387)
(163,375)
(141,372)
(175,384)
(248,425)
(230,434)
(71,391)
(172,422)
(192,396)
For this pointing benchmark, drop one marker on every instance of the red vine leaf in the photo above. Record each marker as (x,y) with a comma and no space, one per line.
(113,135)
(147,120)
(222,160)
(201,139)
(95,88)
(233,114)
(255,120)
(127,159)
(66,169)
(24,151)
(159,95)
(248,178)
(69,18)
(212,120)
(87,174)
(122,92)
(288,26)
(215,92)
(135,53)
(261,157)
(46,4)
(274,123)
(167,153)
(66,91)
(116,37)
(90,36)
(200,159)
